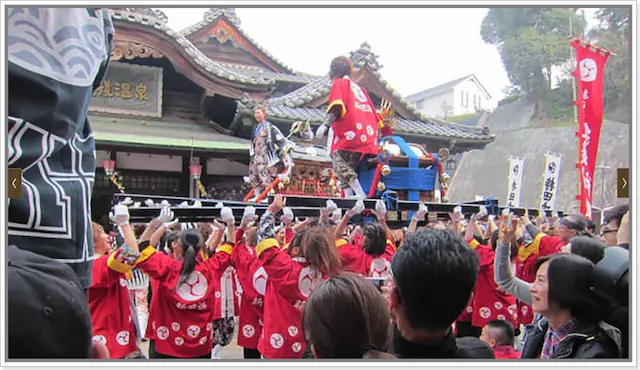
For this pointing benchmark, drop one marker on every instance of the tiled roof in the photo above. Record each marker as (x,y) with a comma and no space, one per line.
(432,128)
(257,71)
(211,67)
(436,90)
(230,14)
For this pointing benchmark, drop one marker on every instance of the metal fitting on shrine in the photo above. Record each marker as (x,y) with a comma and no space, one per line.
(385,170)
(381,186)
(281,186)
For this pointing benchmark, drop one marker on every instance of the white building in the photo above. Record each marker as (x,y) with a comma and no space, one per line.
(464,95)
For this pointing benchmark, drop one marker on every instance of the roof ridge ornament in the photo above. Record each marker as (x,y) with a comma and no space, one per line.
(228,13)
(364,57)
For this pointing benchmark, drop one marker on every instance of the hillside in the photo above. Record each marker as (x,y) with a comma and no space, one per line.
(484,172)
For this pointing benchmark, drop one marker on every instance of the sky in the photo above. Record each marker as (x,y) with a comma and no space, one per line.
(418,48)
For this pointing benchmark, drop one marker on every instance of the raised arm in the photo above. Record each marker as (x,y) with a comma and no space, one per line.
(381,215)
(266,229)
(344,224)
(503,275)
(417,217)
(471,227)
(227,217)
(166,215)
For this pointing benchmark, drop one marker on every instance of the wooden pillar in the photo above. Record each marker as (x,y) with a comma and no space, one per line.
(186,184)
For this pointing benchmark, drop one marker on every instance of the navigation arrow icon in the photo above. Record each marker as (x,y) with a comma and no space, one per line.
(622,183)
(13,183)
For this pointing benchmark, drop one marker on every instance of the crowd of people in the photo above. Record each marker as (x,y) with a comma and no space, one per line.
(326,287)
(333,286)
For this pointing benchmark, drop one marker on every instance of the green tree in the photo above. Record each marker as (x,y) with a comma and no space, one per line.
(613,33)
(532,42)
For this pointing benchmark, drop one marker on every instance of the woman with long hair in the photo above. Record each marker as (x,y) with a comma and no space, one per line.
(182,305)
(291,281)
(570,327)
(347,317)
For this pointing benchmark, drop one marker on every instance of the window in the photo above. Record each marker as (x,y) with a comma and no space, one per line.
(466,100)
(479,101)
(475,103)
(462,98)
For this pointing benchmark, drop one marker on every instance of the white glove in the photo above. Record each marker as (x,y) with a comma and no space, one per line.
(219,205)
(184,204)
(171,224)
(149,203)
(127,201)
(357,209)
(248,216)
(331,206)
(164,203)
(197,204)
(166,215)
(287,216)
(321,131)
(421,213)
(492,217)
(336,217)
(226,214)
(381,207)
(120,215)
(136,205)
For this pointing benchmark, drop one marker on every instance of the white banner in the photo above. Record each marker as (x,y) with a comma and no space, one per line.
(516,167)
(550,181)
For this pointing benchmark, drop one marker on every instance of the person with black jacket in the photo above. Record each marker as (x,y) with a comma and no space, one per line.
(432,276)
(571,326)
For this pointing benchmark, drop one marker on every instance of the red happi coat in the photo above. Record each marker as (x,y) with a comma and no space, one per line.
(505,353)
(253,280)
(489,300)
(356,129)
(465,316)
(354,259)
(290,283)
(182,319)
(542,245)
(110,308)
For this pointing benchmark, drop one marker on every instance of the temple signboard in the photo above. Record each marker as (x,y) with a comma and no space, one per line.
(130,90)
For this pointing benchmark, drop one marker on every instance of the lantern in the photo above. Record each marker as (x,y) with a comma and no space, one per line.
(109,167)
(195,170)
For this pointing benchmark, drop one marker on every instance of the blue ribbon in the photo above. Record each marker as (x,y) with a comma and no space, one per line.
(390,200)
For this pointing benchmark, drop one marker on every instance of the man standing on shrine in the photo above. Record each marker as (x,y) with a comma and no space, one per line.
(355,125)
(268,151)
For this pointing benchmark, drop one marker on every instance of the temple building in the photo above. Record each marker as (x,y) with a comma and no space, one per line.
(175,101)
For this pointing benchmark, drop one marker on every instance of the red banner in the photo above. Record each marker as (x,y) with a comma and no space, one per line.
(590,82)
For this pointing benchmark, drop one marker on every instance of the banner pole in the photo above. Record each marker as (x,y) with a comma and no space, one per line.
(575,109)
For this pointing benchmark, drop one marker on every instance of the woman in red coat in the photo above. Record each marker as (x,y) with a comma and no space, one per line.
(182,304)
(111,315)
(290,282)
